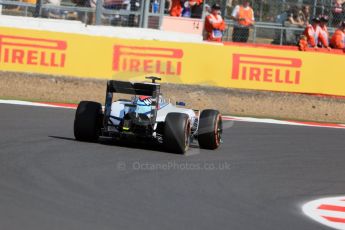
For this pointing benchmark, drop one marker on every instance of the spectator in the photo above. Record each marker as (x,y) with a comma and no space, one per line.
(87,17)
(118,19)
(337,12)
(50,12)
(280,19)
(295,17)
(214,24)
(228,8)
(244,17)
(196,8)
(30,1)
(312,32)
(186,11)
(303,43)
(155,6)
(127,4)
(305,14)
(208,9)
(175,8)
(294,20)
(113,4)
(324,35)
(338,38)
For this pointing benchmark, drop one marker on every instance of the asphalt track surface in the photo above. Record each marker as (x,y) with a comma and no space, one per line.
(49,181)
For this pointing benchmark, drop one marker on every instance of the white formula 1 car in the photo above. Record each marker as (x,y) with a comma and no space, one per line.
(147,116)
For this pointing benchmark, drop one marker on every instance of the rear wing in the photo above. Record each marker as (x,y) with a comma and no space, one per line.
(144,89)
(125,87)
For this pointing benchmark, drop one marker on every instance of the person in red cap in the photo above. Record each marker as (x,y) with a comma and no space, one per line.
(214,24)
(244,17)
(175,8)
(338,38)
(312,32)
(324,35)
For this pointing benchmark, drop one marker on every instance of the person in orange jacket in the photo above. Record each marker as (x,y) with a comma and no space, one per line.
(312,32)
(338,38)
(175,8)
(324,35)
(244,17)
(214,24)
(196,8)
(303,43)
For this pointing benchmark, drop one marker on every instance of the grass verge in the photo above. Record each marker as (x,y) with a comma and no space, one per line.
(40,88)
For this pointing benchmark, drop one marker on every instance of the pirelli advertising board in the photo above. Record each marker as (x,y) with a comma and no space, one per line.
(186,63)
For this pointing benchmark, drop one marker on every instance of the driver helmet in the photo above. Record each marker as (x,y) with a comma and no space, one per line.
(143,104)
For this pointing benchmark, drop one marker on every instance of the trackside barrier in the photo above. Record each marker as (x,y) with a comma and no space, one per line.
(231,65)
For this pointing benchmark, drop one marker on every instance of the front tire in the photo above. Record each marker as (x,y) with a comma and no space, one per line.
(176,132)
(88,121)
(210,129)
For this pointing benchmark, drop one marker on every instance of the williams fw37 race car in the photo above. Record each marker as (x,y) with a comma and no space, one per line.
(147,116)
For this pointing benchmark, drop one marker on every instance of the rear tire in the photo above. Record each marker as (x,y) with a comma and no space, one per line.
(210,129)
(88,121)
(176,132)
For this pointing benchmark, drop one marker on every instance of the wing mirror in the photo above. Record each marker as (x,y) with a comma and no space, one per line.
(180,103)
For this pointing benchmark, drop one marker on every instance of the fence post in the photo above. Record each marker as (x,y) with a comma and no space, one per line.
(38,7)
(144,13)
(224,9)
(314,9)
(99,6)
(283,6)
(203,15)
(161,12)
(131,17)
(261,11)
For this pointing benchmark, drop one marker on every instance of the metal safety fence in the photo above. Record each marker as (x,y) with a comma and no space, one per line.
(278,10)
(149,14)
(86,14)
(268,33)
(265,10)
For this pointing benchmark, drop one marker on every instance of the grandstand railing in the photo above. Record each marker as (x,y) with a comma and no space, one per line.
(143,16)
